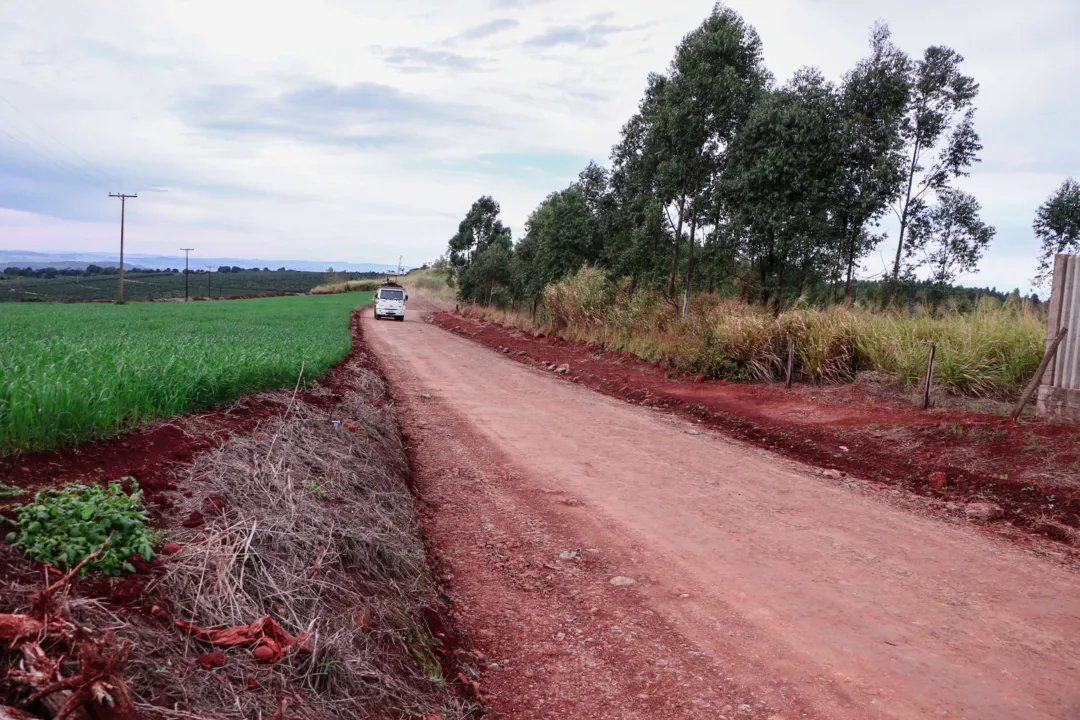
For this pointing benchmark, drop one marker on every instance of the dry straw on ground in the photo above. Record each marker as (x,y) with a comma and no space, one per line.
(316,529)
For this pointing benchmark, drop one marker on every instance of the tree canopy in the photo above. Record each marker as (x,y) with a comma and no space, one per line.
(1057,225)
(725,180)
(480,252)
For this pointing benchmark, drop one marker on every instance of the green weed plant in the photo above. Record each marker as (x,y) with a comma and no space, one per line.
(63,526)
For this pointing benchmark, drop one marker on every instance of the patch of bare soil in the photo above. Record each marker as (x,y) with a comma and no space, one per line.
(558,628)
(1025,473)
(292,582)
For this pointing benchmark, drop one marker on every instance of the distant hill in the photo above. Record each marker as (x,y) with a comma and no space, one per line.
(79,261)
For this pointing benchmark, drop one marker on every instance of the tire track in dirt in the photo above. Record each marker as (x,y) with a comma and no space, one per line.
(760,590)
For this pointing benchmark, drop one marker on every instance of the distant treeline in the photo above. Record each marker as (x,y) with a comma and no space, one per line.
(927,292)
(93,270)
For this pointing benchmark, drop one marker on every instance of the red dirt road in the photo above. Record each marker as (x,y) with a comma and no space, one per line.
(760,589)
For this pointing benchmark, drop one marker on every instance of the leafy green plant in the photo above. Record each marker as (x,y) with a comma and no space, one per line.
(64,526)
(315,488)
(7,492)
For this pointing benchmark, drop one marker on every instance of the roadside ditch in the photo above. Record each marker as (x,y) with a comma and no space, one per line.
(292,578)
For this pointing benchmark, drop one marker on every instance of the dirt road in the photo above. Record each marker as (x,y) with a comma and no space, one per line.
(759,589)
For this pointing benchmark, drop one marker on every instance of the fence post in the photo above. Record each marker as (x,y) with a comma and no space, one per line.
(790,360)
(929,377)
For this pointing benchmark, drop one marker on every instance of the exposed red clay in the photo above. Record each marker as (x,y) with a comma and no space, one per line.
(1031,468)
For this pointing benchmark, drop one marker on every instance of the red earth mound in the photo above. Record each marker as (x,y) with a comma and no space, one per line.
(1031,468)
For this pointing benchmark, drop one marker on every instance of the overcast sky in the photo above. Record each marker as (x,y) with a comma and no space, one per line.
(360,131)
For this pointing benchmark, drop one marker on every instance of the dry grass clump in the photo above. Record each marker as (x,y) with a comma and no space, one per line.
(990,352)
(316,529)
(431,283)
(347,286)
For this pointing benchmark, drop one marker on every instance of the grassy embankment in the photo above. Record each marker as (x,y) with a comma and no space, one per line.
(79,372)
(369,286)
(431,283)
(991,352)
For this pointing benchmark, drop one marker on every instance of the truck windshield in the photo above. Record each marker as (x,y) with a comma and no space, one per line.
(392,294)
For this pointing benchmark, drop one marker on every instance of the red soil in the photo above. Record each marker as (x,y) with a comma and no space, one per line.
(1030,468)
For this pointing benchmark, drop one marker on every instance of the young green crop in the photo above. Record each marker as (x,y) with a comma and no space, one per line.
(71,373)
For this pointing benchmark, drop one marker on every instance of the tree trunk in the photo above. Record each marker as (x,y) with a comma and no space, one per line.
(675,255)
(764,267)
(690,255)
(848,300)
(904,220)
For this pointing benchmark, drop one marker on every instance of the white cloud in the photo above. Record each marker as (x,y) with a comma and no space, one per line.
(362,130)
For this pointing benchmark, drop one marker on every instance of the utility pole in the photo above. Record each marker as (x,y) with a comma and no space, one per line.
(186,257)
(209,274)
(123,204)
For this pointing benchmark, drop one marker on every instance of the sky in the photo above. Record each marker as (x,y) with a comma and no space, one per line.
(362,131)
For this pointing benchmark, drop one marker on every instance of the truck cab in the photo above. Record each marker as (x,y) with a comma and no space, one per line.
(390,301)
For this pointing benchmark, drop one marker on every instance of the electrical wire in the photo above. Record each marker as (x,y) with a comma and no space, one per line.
(48,158)
(105,175)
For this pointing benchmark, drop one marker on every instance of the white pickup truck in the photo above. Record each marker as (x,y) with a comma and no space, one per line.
(390,301)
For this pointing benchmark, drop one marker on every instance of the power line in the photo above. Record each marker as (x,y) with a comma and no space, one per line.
(55,139)
(45,153)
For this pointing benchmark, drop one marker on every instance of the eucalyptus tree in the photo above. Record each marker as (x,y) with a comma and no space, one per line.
(480,251)
(1057,225)
(782,178)
(872,101)
(638,233)
(717,77)
(949,237)
(939,134)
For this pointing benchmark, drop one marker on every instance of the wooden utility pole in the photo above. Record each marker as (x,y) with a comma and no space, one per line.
(209,275)
(186,257)
(123,205)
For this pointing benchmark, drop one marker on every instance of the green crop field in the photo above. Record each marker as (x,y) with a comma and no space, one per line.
(71,373)
(155,286)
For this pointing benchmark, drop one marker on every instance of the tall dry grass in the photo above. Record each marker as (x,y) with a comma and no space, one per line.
(989,352)
(431,283)
(347,286)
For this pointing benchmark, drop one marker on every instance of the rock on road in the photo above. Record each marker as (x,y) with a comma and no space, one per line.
(758,588)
